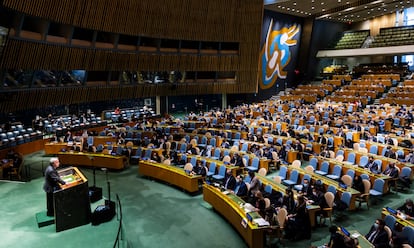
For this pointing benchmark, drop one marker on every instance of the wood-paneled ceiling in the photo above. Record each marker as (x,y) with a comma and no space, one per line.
(338,10)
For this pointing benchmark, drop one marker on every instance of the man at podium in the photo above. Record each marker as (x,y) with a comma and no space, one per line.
(52,180)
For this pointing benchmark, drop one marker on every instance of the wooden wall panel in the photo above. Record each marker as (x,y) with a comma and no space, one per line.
(198,20)
(217,19)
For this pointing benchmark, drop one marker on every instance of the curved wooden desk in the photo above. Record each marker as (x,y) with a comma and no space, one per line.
(229,206)
(312,209)
(170,174)
(326,182)
(53,148)
(93,160)
(358,171)
(401,222)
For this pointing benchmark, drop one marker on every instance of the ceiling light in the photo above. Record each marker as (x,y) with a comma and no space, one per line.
(322,3)
(294,3)
(313,7)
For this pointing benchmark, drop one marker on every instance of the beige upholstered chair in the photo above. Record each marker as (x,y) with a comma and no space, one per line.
(277,179)
(262,172)
(309,169)
(364,197)
(296,164)
(327,212)
(188,167)
(340,158)
(226,159)
(347,179)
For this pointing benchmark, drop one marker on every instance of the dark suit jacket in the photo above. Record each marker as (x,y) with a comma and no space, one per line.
(231,182)
(392,172)
(407,211)
(242,191)
(381,241)
(51,180)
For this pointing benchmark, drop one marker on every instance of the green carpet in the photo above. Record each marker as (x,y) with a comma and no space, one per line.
(155,215)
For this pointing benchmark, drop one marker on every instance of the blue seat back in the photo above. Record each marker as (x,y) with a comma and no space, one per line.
(331,189)
(212,167)
(351,158)
(204,140)
(294,176)
(283,171)
(408,232)
(193,161)
(325,166)
(390,222)
(183,147)
(378,162)
(364,176)
(268,189)
(314,163)
(222,170)
(351,173)
(306,176)
(255,162)
(213,142)
(337,170)
(217,153)
(363,161)
(373,149)
(245,147)
(340,152)
(379,185)
(405,172)
(346,198)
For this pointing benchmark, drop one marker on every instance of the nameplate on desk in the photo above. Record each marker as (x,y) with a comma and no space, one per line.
(244,222)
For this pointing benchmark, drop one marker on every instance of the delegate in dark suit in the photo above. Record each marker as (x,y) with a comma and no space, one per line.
(377,235)
(229,181)
(241,187)
(51,184)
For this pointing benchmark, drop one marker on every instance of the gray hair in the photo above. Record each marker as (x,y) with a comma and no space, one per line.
(53,160)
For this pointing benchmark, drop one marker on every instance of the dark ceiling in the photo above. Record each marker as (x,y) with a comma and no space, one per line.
(338,10)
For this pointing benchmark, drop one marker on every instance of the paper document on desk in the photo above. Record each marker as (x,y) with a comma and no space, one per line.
(261,222)
(248,208)
(355,235)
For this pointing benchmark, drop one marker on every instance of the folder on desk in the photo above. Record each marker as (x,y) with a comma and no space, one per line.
(391,210)
(345,232)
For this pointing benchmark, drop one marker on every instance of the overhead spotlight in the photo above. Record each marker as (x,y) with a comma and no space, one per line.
(294,3)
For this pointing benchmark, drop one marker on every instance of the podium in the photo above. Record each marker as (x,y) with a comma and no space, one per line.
(72,206)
